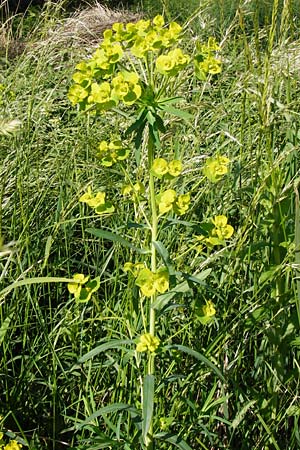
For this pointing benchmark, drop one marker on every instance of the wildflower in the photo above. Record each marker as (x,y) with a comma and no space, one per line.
(204,66)
(175,168)
(147,343)
(133,268)
(165,64)
(216,167)
(161,167)
(222,230)
(101,95)
(206,313)
(98,202)
(205,61)
(119,31)
(84,74)
(150,282)
(169,200)
(172,62)
(82,288)
(135,189)
(125,87)
(13,445)
(158,21)
(182,203)
(170,35)
(77,94)
(110,153)
(165,200)
(76,286)
(141,47)
(209,309)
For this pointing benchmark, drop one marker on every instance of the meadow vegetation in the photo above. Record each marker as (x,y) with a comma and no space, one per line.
(164,314)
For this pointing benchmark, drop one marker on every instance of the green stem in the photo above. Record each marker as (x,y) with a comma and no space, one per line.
(153,229)
(154,226)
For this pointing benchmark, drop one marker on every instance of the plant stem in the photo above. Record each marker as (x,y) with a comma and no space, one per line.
(153,232)
(154,219)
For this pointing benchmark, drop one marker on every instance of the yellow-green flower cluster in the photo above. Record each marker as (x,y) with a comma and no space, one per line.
(206,312)
(111,152)
(98,83)
(172,62)
(147,343)
(150,283)
(133,189)
(134,268)
(209,309)
(12,445)
(104,94)
(216,167)
(205,61)
(169,200)
(218,234)
(97,202)
(143,36)
(82,287)
(161,168)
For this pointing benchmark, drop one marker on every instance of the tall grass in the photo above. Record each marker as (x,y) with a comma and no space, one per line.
(250,113)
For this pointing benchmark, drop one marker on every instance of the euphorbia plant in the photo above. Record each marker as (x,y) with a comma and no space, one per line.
(139,66)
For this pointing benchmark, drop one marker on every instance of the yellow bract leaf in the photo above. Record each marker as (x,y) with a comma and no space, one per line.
(147,342)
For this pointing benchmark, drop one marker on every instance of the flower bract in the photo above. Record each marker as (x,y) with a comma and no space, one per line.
(147,343)
(216,167)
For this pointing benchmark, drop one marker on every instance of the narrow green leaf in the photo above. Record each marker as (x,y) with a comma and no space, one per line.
(114,407)
(177,112)
(36,280)
(198,356)
(114,343)
(200,277)
(154,134)
(47,250)
(138,123)
(297,245)
(148,403)
(295,342)
(5,326)
(268,275)
(163,299)
(241,414)
(173,439)
(98,441)
(165,256)
(160,124)
(115,238)
(170,100)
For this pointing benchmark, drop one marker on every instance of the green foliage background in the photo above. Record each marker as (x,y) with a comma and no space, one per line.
(250,113)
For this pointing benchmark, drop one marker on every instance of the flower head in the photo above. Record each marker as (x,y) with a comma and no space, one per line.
(150,283)
(126,88)
(111,152)
(165,200)
(216,167)
(147,343)
(82,288)
(182,204)
(206,313)
(222,230)
(97,201)
(13,445)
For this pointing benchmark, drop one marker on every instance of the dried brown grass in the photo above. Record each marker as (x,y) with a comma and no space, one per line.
(83,29)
